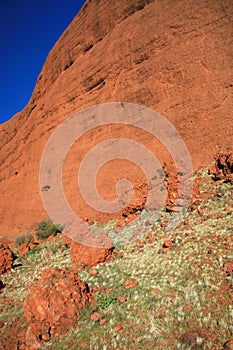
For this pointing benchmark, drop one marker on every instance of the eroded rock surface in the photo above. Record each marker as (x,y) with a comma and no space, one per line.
(86,255)
(223,168)
(6,258)
(53,305)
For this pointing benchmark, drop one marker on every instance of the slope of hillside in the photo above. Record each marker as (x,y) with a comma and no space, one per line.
(172,56)
(165,291)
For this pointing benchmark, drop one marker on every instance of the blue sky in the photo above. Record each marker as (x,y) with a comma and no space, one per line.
(28,31)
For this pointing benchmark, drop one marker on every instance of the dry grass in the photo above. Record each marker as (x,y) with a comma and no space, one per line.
(184,289)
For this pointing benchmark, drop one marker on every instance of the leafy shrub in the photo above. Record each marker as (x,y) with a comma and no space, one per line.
(104,300)
(60,227)
(46,228)
(24,237)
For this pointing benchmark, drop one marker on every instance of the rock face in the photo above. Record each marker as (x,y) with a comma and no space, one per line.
(223,168)
(140,190)
(6,258)
(172,56)
(86,255)
(25,247)
(53,304)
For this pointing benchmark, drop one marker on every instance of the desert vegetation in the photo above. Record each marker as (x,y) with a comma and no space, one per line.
(24,237)
(47,228)
(163,291)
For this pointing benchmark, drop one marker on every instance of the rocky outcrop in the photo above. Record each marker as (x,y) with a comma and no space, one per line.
(172,56)
(86,255)
(223,168)
(6,258)
(53,305)
(136,205)
(25,247)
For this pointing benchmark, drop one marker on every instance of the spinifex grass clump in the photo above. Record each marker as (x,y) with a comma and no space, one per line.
(24,237)
(105,300)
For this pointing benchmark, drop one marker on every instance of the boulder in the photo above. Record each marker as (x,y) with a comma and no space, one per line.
(6,258)
(223,167)
(53,305)
(86,255)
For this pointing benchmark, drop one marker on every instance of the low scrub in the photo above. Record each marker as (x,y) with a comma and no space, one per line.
(24,237)
(46,228)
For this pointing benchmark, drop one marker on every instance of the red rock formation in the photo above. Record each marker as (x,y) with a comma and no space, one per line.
(138,202)
(171,185)
(23,248)
(172,56)
(86,255)
(53,304)
(223,168)
(6,258)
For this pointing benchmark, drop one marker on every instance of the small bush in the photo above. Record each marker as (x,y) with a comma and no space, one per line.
(46,228)
(60,227)
(104,300)
(25,237)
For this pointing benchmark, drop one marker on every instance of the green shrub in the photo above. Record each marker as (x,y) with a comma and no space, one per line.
(60,227)
(46,228)
(104,300)
(24,237)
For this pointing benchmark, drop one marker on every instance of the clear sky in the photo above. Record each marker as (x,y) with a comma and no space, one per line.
(28,31)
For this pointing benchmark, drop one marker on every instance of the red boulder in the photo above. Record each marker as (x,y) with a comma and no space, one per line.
(53,304)
(6,258)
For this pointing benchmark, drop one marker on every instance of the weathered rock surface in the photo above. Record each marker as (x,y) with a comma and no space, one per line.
(25,247)
(137,204)
(87,255)
(6,258)
(172,56)
(53,304)
(223,168)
